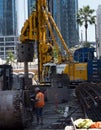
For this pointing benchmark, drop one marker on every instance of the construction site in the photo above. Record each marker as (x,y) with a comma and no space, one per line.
(71,83)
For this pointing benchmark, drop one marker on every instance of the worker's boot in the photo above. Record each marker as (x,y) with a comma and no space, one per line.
(37,120)
(41,120)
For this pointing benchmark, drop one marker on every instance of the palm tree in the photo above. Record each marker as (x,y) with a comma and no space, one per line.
(85,16)
(10,59)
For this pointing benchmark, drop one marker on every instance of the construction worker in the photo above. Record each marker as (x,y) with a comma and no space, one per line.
(39,105)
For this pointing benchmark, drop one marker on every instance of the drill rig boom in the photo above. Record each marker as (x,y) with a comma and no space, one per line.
(37,28)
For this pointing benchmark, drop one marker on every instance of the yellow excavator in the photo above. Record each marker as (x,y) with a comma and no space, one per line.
(40,28)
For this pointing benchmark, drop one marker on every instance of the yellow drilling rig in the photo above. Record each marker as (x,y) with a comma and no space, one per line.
(40,27)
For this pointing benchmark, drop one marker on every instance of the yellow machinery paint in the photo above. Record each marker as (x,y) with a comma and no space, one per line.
(35,29)
(76,71)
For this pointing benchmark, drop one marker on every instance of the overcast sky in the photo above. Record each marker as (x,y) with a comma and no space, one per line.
(93,5)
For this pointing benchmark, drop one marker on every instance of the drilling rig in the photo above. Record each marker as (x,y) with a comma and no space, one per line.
(15,107)
(40,28)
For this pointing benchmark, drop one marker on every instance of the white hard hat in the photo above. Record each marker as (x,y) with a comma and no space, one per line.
(37,89)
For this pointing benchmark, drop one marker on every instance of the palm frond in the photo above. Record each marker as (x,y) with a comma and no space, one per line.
(85,16)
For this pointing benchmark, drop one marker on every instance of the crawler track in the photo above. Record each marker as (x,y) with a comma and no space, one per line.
(89,95)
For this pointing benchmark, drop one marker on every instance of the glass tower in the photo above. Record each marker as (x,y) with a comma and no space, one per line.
(31,6)
(64,13)
(7,17)
(98,32)
(72,8)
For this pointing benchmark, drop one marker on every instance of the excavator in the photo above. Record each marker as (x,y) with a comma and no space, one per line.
(15,106)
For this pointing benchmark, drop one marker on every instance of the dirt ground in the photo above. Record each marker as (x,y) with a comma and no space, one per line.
(53,115)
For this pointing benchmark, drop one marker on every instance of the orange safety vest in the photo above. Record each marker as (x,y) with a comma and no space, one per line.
(40,98)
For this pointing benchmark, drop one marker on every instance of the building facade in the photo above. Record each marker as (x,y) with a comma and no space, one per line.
(8,17)
(98,33)
(64,13)
(73,29)
(31,6)
(8,43)
(8,27)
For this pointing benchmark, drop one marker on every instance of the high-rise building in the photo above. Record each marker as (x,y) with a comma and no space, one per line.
(73,30)
(65,12)
(8,43)
(8,17)
(98,32)
(8,27)
(50,6)
(31,6)
(54,8)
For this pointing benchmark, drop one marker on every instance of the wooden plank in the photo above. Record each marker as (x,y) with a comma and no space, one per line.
(71,128)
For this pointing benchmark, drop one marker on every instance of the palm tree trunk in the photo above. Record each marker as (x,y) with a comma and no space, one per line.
(86,26)
(86,35)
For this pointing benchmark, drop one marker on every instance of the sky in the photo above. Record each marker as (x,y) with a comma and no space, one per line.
(22,13)
(91,28)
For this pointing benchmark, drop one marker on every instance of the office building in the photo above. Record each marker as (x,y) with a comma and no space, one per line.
(8,43)
(8,27)
(31,6)
(64,13)
(98,32)
(8,17)
(73,30)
